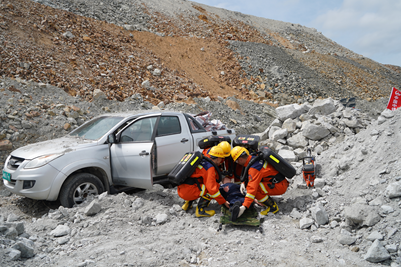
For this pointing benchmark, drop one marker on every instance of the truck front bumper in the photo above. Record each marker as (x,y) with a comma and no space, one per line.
(33,183)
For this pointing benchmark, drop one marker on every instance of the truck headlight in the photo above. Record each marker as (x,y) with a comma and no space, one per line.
(41,160)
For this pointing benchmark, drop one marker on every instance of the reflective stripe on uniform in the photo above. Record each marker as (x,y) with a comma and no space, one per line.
(262,186)
(200,167)
(250,196)
(216,195)
(265,164)
(264,199)
(202,190)
(207,197)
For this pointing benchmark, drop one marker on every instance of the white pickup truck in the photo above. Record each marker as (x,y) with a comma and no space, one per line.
(105,153)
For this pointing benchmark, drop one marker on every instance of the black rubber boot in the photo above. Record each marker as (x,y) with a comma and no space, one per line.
(202,204)
(234,210)
(271,206)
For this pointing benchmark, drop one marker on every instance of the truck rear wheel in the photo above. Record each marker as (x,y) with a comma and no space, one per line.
(78,187)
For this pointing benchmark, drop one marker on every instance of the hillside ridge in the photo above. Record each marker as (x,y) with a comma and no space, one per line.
(199,51)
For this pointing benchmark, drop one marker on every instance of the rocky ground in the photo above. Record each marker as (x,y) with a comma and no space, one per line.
(65,62)
(351,217)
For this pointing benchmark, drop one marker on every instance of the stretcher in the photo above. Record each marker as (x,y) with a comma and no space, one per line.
(249,217)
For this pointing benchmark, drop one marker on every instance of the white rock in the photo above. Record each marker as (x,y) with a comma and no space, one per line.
(323,107)
(384,209)
(315,132)
(161,218)
(346,239)
(377,253)
(306,223)
(316,239)
(319,215)
(288,155)
(388,113)
(375,235)
(93,208)
(146,84)
(290,125)
(13,254)
(391,248)
(61,230)
(393,190)
(295,214)
(157,72)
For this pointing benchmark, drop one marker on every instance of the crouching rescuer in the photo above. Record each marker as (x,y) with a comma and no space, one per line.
(261,180)
(203,183)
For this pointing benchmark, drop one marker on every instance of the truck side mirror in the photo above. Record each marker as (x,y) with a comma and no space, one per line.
(111,138)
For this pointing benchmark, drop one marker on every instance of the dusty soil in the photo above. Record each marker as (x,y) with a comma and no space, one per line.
(191,65)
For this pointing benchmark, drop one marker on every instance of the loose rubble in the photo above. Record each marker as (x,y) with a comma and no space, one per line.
(278,80)
(350,218)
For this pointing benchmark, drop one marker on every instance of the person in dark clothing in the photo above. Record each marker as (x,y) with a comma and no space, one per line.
(231,192)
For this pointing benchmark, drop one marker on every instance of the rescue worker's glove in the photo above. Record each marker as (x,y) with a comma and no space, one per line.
(241,211)
(243,189)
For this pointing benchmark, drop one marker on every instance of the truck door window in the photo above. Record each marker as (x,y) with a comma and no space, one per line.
(140,130)
(168,125)
(193,124)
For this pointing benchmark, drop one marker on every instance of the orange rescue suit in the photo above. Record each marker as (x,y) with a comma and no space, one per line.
(258,183)
(207,180)
(224,165)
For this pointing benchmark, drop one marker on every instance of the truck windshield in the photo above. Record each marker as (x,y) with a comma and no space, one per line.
(96,128)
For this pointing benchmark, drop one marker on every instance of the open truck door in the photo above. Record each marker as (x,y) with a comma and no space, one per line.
(131,156)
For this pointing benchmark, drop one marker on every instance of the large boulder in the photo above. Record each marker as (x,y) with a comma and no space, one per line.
(393,190)
(315,132)
(323,107)
(290,125)
(291,111)
(359,215)
(271,132)
(279,134)
(297,141)
(319,215)
(288,155)
(377,253)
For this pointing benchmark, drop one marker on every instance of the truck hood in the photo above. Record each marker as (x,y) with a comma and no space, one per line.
(61,145)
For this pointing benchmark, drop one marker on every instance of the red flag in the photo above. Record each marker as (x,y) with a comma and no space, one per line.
(394,100)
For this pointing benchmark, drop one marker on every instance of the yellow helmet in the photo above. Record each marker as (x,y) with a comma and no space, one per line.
(225,147)
(216,151)
(238,151)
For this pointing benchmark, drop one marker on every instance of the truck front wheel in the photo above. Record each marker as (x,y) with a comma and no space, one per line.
(78,187)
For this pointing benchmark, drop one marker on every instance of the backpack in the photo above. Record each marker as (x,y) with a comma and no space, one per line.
(212,141)
(281,165)
(250,142)
(187,165)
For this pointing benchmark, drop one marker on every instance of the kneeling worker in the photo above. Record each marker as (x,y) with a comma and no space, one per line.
(261,181)
(203,183)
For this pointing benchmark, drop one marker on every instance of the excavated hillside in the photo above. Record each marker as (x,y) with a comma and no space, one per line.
(170,51)
(63,62)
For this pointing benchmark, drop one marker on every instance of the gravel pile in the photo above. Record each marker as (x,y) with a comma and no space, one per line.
(60,70)
(351,218)
(282,76)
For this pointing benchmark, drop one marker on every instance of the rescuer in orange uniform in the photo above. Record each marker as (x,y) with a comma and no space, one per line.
(228,165)
(203,183)
(225,166)
(260,185)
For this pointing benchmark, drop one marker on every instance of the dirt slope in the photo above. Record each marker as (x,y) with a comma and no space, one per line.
(187,42)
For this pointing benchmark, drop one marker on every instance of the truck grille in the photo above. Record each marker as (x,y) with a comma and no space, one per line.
(14,162)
